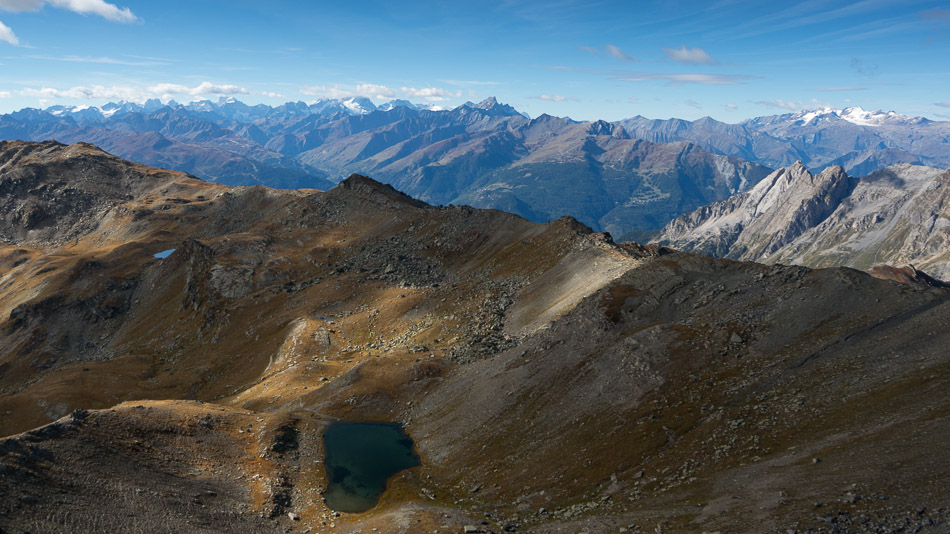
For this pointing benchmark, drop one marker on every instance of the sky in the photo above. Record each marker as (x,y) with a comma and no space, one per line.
(728,59)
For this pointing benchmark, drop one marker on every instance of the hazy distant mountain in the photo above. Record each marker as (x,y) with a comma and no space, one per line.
(858,140)
(486,154)
(898,215)
(626,177)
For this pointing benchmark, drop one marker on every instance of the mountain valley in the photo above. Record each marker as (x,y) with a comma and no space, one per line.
(629,178)
(172,349)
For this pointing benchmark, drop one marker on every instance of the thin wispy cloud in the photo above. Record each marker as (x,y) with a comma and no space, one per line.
(693,104)
(5,94)
(366,90)
(942,104)
(942,15)
(134,94)
(469,83)
(682,79)
(104,60)
(790,105)
(615,52)
(589,50)
(83,7)
(843,88)
(566,68)
(731,107)
(430,94)
(555,98)
(205,88)
(863,69)
(689,55)
(96,92)
(781,104)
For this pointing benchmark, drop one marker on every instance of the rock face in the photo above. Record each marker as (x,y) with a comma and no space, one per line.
(898,215)
(551,379)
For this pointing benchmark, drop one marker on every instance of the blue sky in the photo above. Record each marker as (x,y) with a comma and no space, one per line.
(731,59)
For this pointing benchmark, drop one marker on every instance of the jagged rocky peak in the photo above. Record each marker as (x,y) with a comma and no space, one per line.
(898,214)
(602,127)
(495,108)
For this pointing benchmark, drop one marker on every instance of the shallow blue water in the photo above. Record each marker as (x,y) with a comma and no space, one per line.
(360,459)
(164,253)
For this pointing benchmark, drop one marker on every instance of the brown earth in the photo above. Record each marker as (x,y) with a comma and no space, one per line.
(618,388)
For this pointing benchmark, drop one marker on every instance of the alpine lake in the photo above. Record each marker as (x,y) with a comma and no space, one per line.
(360,457)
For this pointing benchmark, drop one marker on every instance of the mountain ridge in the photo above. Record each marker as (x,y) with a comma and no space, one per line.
(896,215)
(190,390)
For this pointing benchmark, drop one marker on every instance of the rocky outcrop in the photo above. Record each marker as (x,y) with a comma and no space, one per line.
(895,216)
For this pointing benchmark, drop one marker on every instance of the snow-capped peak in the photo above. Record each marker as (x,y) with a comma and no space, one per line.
(855,115)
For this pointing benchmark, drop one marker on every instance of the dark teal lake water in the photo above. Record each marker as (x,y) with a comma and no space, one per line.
(360,458)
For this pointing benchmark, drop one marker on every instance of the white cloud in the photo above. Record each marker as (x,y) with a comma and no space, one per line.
(5,94)
(368,90)
(271,94)
(616,52)
(469,83)
(556,98)
(431,94)
(942,104)
(731,107)
(133,94)
(680,79)
(782,104)
(97,92)
(84,7)
(20,5)
(7,35)
(850,88)
(205,88)
(689,55)
(103,59)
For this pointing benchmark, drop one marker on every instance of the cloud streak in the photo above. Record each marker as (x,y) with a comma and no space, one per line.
(689,55)
(366,90)
(7,35)
(83,7)
(134,94)
(430,94)
(555,98)
(615,52)
(683,79)
(105,60)
(469,83)
(205,88)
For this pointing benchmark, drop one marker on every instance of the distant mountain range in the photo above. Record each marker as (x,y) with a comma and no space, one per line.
(898,215)
(860,141)
(629,178)
(486,155)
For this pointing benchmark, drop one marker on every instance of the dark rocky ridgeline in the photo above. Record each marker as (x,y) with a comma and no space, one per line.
(552,380)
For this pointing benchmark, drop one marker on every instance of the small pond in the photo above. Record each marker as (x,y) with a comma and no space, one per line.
(164,253)
(360,458)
